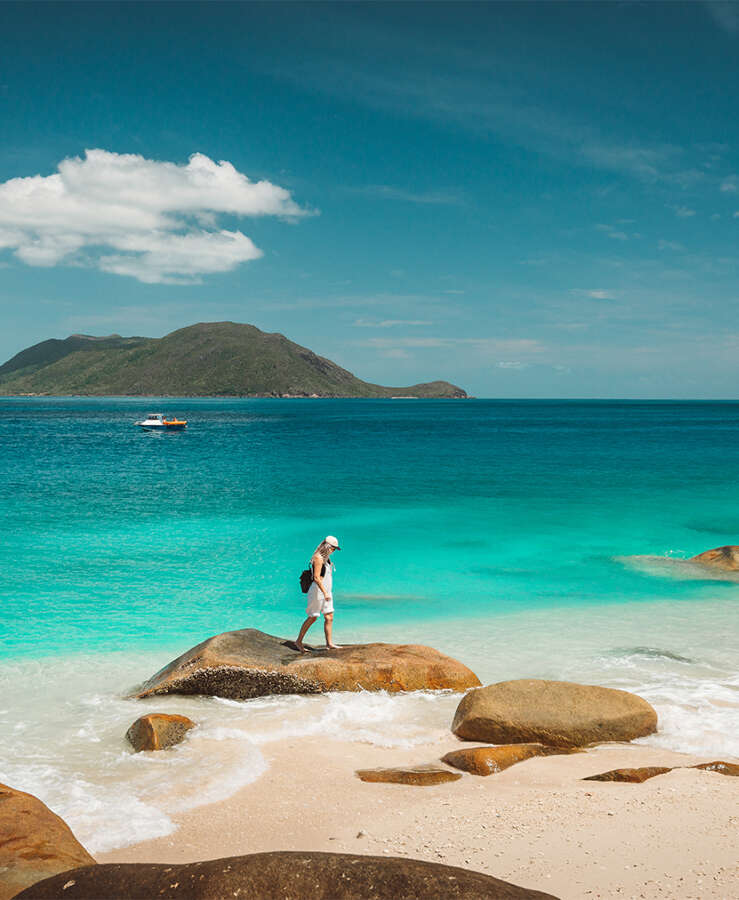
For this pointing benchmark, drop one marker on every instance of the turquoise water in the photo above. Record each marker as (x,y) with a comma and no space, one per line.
(529,539)
(114,538)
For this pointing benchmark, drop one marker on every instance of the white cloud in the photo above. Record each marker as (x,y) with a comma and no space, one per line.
(683,212)
(670,245)
(730,184)
(159,219)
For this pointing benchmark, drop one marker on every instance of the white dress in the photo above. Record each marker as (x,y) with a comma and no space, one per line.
(318,602)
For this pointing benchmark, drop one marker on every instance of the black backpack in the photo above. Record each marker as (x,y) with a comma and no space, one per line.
(306,577)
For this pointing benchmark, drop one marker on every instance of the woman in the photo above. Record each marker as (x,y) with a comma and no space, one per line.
(320,596)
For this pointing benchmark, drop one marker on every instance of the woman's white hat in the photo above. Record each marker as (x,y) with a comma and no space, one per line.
(332,541)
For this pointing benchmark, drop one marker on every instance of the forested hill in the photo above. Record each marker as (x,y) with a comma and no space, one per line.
(207,359)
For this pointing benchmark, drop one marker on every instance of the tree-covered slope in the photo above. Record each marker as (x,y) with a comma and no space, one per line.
(214,358)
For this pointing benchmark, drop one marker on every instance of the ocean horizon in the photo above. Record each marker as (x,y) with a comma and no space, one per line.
(536,538)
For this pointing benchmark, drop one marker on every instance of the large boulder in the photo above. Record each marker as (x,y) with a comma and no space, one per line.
(726,558)
(158,731)
(491,760)
(421,776)
(34,843)
(556,713)
(284,875)
(250,663)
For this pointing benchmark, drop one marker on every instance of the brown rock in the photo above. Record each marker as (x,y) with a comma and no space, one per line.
(249,663)
(268,876)
(556,713)
(723,768)
(158,731)
(726,558)
(34,843)
(637,776)
(421,776)
(633,776)
(490,760)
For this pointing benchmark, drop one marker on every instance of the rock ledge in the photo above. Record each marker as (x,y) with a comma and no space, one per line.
(249,663)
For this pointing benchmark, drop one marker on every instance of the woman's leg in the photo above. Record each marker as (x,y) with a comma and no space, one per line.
(328,626)
(303,630)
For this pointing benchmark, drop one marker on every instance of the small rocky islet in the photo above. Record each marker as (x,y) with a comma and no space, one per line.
(521,719)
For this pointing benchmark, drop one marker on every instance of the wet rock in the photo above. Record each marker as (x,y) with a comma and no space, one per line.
(723,768)
(158,731)
(268,876)
(489,760)
(34,843)
(726,558)
(250,663)
(556,713)
(417,775)
(632,776)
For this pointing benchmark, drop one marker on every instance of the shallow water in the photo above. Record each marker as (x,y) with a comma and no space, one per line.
(527,539)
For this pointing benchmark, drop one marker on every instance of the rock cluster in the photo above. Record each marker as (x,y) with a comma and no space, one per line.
(268,876)
(250,663)
(34,843)
(555,713)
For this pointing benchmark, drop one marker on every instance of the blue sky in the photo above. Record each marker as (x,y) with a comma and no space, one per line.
(525,199)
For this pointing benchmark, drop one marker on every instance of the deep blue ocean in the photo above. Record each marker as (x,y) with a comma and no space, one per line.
(535,538)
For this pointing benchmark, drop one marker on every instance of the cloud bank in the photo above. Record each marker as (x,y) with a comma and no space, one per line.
(151,220)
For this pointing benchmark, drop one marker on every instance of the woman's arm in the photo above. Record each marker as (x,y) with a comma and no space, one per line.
(317,566)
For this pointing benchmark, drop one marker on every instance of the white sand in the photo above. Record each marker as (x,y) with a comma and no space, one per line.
(535,824)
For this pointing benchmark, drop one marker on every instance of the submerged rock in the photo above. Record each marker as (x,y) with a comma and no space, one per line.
(268,876)
(631,776)
(490,760)
(250,663)
(726,558)
(34,843)
(556,713)
(422,776)
(158,731)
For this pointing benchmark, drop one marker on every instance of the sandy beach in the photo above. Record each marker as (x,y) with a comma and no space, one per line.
(536,824)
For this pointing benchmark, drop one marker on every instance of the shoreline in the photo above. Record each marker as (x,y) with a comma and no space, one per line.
(535,824)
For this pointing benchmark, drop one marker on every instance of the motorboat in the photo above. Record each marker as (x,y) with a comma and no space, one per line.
(159,422)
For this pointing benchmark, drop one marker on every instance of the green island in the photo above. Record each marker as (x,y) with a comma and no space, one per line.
(206,359)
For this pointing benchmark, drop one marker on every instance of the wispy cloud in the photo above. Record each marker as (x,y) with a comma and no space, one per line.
(670,245)
(389,323)
(614,233)
(725,14)
(422,198)
(486,344)
(730,184)
(124,214)
(475,98)
(597,294)
(683,212)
